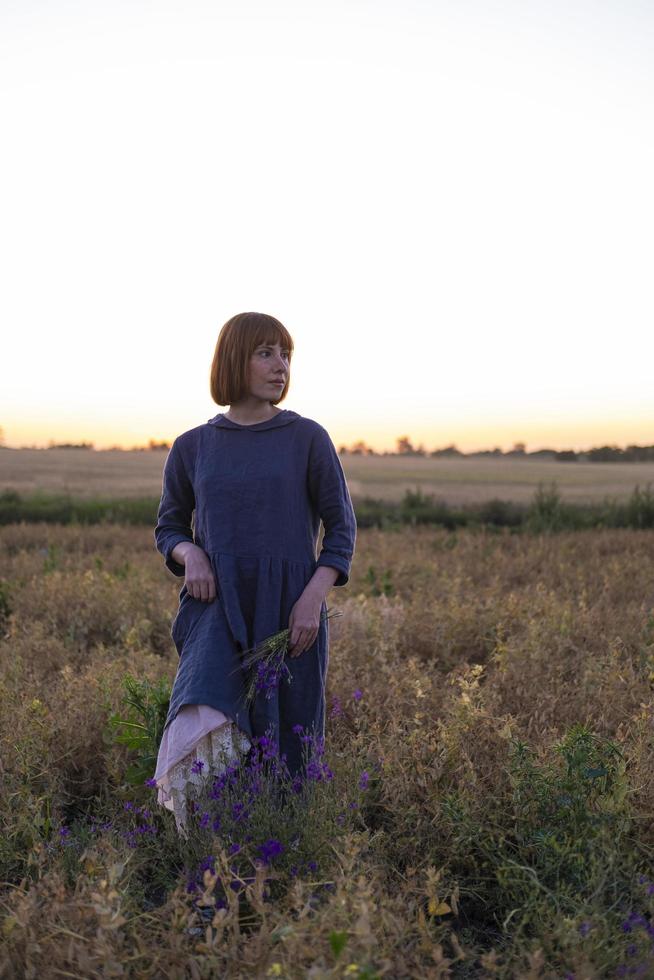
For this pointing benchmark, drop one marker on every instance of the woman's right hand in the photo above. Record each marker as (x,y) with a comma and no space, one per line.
(198,573)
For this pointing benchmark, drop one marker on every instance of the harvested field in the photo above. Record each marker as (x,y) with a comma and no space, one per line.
(87,473)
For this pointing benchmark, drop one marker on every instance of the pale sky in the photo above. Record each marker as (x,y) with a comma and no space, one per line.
(450,205)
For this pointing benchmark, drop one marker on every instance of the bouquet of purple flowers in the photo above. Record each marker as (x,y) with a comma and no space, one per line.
(266,662)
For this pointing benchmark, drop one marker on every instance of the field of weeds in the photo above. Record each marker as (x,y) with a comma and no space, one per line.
(482,806)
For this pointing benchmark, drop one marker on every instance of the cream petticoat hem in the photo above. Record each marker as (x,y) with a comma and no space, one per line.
(198,734)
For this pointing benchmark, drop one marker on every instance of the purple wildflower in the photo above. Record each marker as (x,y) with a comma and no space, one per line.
(269,673)
(265,749)
(270,849)
(337,709)
(239,811)
(314,770)
(197,766)
(298,729)
(357,695)
(584,929)
(363,781)
(227,778)
(150,782)
(317,770)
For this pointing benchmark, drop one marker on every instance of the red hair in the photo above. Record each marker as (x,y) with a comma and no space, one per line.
(237,341)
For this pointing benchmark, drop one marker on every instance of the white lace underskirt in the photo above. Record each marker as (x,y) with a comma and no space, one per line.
(198,733)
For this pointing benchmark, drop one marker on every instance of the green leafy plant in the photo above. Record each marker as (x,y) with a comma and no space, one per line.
(640,507)
(51,560)
(5,607)
(382,585)
(142,729)
(546,510)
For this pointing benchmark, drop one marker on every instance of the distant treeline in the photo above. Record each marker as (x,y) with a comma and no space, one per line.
(547,511)
(600,454)
(404,447)
(152,444)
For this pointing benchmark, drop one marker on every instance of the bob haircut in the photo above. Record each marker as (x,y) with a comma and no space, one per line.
(237,341)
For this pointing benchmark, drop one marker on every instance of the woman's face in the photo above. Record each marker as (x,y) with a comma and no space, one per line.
(268,372)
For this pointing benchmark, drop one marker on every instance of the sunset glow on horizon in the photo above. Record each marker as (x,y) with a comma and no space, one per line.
(503,435)
(449,207)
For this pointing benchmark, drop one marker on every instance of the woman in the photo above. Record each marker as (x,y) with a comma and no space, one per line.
(259,479)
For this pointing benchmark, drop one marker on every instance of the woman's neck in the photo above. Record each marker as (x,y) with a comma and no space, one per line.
(243,415)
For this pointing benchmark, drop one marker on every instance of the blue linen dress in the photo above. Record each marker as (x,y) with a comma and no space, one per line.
(258,493)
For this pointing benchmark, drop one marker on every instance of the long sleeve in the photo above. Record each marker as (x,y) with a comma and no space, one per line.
(330,494)
(175,509)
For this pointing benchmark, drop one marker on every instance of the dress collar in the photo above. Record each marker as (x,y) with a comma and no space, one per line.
(282,418)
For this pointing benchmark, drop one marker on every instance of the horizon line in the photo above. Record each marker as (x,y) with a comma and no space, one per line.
(518,448)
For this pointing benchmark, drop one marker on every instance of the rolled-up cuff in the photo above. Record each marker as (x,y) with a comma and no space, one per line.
(341,565)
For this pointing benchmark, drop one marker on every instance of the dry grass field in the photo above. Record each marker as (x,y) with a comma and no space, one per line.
(86,473)
(485,806)
(463,481)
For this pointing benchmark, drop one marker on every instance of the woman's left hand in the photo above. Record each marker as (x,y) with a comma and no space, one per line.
(304,622)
